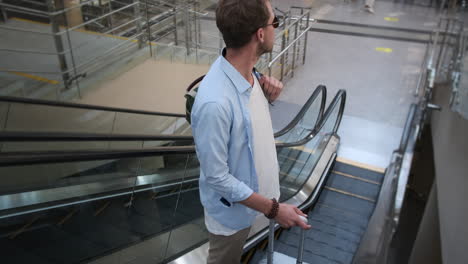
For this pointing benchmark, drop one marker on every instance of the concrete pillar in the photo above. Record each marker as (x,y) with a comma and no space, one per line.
(426,248)
(74,16)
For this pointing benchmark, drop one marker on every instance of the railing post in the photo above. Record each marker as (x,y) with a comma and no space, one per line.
(176,41)
(294,50)
(305,39)
(186,27)
(198,21)
(286,55)
(283,45)
(58,43)
(300,253)
(3,12)
(270,57)
(109,19)
(136,13)
(5,124)
(196,28)
(270,241)
(148,28)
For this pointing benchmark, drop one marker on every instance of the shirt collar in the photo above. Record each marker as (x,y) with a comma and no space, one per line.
(237,79)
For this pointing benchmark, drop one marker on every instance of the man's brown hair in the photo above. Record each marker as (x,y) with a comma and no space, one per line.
(239,19)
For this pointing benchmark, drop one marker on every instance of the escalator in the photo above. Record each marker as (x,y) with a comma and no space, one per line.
(103,214)
(339,217)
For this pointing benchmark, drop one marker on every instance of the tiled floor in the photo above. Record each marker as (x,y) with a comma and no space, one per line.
(379,82)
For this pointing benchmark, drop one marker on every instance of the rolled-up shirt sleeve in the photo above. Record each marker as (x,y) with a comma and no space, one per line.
(211,131)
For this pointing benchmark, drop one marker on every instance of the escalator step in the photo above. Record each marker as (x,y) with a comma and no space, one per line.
(360,172)
(314,253)
(337,239)
(347,204)
(354,186)
(323,216)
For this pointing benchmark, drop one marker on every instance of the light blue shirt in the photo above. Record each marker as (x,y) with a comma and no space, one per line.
(222,131)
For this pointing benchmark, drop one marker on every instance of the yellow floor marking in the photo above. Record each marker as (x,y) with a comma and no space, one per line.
(386,50)
(29,21)
(392,19)
(349,194)
(360,165)
(355,177)
(35,77)
(102,34)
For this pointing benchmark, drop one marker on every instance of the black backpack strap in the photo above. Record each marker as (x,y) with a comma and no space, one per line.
(195,83)
(257,74)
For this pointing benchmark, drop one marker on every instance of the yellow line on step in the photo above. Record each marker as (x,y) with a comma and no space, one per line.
(349,194)
(355,177)
(360,165)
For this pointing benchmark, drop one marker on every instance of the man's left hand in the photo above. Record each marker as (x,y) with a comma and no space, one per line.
(271,87)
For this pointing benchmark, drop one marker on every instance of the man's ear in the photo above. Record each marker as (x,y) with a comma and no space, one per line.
(260,35)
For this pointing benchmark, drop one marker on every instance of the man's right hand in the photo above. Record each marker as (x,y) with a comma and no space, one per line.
(288,216)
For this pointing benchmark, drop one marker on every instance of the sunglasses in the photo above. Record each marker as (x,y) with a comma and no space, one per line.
(275,23)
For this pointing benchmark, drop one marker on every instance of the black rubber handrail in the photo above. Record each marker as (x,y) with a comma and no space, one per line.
(406,131)
(65,136)
(321,89)
(20,100)
(47,157)
(341,98)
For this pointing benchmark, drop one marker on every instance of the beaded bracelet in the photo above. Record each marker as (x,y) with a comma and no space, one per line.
(274,210)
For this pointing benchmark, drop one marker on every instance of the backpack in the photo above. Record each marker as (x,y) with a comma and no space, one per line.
(192,92)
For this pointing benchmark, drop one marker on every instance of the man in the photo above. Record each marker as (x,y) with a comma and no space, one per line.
(369,6)
(233,134)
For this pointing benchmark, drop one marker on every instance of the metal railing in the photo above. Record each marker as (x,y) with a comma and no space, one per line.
(441,63)
(375,243)
(292,43)
(80,50)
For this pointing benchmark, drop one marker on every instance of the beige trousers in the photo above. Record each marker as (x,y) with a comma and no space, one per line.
(227,249)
